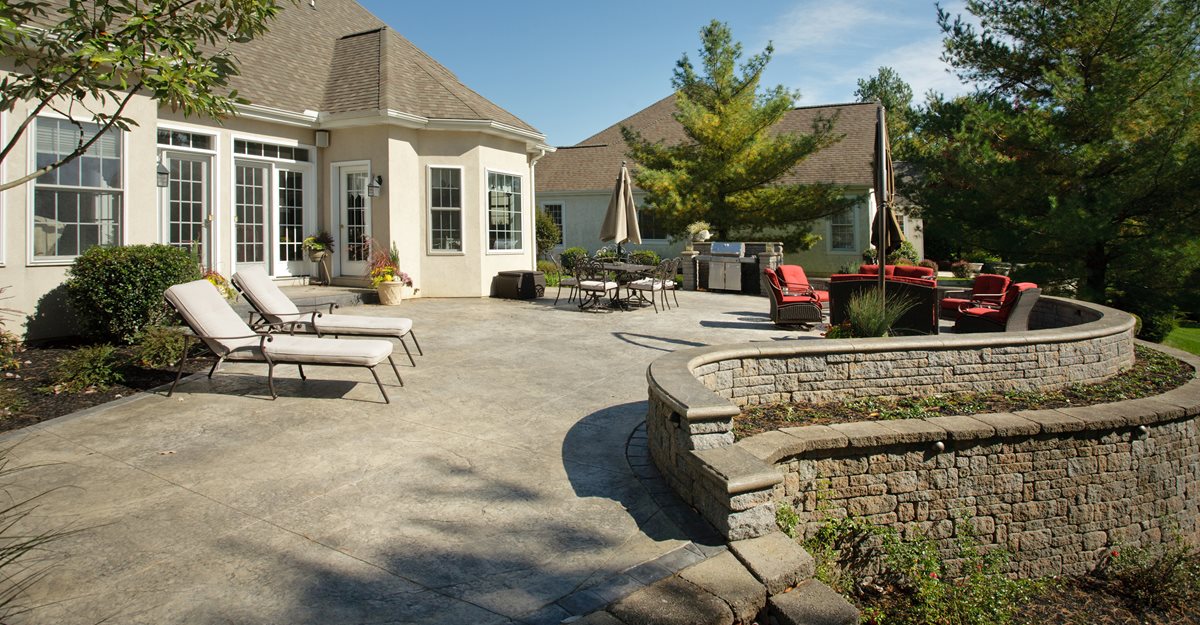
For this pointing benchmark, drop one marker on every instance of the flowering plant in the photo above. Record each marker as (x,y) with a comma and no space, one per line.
(384,265)
(223,286)
(319,242)
(699,230)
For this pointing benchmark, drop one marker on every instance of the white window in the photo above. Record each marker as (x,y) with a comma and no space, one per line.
(78,205)
(445,209)
(504,211)
(841,232)
(555,211)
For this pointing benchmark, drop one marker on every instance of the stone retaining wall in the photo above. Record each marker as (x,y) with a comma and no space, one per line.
(1054,486)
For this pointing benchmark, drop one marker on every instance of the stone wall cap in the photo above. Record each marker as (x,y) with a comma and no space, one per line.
(914,430)
(866,434)
(1053,421)
(773,446)
(817,437)
(1097,417)
(741,471)
(962,427)
(724,576)
(1009,424)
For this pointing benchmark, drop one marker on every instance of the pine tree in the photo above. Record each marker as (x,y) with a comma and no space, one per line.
(887,88)
(1080,149)
(727,169)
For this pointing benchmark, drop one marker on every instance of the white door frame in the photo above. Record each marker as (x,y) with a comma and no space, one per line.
(335,206)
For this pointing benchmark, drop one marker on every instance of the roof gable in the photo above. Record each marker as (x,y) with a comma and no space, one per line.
(589,165)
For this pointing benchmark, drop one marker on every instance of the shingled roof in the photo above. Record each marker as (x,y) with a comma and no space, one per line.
(334,56)
(590,164)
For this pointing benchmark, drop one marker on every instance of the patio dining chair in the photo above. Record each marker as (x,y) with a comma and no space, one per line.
(270,303)
(654,283)
(215,323)
(669,285)
(565,278)
(594,284)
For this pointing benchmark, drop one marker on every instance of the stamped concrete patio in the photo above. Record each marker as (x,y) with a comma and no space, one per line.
(500,486)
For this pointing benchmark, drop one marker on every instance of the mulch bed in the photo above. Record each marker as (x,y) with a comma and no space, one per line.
(1153,373)
(1091,601)
(26,398)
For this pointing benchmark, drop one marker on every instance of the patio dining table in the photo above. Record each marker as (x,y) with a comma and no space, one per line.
(626,273)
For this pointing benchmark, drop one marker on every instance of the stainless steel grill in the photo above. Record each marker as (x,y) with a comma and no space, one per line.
(725,266)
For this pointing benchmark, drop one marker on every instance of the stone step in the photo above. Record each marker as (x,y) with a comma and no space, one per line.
(812,603)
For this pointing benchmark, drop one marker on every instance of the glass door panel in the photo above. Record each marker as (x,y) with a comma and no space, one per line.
(356,225)
(291,224)
(188,205)
(250,216)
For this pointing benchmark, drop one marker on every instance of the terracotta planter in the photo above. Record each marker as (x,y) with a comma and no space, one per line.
(391,293)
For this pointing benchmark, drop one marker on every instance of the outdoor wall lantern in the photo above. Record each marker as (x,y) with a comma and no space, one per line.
(374,186)
(162,176)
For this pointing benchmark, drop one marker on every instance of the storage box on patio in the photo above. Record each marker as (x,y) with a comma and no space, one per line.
(523,284)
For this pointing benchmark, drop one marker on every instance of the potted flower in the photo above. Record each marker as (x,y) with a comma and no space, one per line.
(697,232)
(383,267)
(318,245)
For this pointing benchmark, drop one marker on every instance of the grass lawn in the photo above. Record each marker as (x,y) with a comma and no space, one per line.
(1185,337)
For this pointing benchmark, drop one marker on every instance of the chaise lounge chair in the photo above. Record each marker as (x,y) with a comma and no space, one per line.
(230,338)
(275,307)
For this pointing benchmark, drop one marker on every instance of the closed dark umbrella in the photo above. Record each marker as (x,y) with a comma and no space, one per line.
(885,229)
(621,220)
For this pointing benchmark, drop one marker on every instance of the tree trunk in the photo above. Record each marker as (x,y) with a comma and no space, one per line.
(1095,274)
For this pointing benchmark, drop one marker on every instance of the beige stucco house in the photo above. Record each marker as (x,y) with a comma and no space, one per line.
(574,183)
(340,103)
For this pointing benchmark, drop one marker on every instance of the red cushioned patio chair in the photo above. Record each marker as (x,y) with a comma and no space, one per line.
(794,281)
(987,292)
(1011,316)
(791,309)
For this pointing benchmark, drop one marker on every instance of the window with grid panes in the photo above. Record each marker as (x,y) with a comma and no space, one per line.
(445,209)
(504,211)
(79,205)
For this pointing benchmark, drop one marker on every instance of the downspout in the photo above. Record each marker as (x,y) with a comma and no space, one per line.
(533,201)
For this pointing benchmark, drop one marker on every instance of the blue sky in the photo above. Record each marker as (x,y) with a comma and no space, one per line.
(574,67)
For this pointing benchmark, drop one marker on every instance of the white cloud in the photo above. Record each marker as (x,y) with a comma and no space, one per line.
(920,65)
(812,23)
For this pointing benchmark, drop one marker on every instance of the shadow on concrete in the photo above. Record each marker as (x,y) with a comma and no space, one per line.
(254,386)
(741,325)
(659,343)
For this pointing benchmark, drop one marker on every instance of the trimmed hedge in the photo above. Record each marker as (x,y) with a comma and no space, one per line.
(117,291)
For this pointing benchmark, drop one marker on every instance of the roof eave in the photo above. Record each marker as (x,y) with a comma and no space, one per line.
(534,141)
(305,119)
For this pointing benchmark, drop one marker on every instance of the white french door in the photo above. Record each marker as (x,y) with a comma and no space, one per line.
(272,217)
(251,193)
(355,219)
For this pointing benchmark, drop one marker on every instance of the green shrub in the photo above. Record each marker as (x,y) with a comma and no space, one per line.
(970,588)
(645,257)
(1156,326)
(11,347)
(605,254)
(871,315)
(546,232)
(787,519)
(570,256)
(93,367)
(117,291)
(1159,577)
(906,251)
(159,347)
(931,264)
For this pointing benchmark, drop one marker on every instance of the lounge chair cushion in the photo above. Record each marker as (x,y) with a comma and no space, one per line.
(209,315)
(271,301)
(312,350)
(360,324)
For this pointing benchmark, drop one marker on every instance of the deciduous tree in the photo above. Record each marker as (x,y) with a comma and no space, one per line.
(86,60)
(727,171)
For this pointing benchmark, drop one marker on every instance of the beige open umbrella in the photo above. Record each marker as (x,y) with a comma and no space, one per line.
(621,220)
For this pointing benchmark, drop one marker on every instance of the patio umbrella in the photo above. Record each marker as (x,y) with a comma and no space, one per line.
(621,220)
(885,229)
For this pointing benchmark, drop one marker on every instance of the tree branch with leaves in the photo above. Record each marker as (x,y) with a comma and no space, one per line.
(87,60)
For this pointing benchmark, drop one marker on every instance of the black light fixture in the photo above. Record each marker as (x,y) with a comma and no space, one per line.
(374,186)
(162,175)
